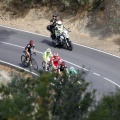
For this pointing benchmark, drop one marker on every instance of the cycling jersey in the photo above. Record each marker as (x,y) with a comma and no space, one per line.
(62,68)
(29,47)
(47,55)
(55,60)
(72,72)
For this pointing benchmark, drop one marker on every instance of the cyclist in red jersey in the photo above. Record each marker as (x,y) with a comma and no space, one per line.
(55,60)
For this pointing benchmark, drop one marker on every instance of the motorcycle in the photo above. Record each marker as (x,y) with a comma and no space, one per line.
(63,40)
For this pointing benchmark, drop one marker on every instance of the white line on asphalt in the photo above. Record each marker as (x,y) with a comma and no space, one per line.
(112,82)
(96,74)
(17,67)
(11,44)
(49,36)
(23,30)
(41,53)
(64,60)
(77,65)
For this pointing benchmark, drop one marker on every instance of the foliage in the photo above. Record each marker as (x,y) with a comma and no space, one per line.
(115,23)
(107,109)
(70,99)
(25,99)
(48,96)
(22,5)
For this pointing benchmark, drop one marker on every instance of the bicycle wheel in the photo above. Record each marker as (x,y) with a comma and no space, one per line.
(23,60)
(50,68)
(34,64)
(43,65)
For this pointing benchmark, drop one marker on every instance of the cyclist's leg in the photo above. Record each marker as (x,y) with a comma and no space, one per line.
(60,72)
(46,63)
(28,56)
(44,59)
(56,67)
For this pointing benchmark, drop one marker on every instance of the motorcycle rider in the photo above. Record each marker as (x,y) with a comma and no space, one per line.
(52,26)
(59,28)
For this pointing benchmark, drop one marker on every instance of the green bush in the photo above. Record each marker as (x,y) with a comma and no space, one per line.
(107,109)
(45,97)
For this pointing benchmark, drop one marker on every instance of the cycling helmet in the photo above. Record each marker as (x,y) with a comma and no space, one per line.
(63,63)
(48,50)
(72,68)
(55,54)
(59,23)
(31,42)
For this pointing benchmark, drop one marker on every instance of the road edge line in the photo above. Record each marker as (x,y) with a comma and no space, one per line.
(72,42)
(16,67)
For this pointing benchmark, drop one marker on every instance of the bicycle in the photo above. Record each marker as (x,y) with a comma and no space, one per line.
(32,62)
(49,66)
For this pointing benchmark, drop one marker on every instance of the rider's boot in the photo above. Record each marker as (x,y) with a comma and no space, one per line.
(53,36)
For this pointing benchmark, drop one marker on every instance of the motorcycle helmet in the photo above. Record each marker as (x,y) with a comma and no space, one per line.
(59,23)
(54,15)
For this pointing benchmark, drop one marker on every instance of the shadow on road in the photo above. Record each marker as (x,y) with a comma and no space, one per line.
(5,34)
(48,42)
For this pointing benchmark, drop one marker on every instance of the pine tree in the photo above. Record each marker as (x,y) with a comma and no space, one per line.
(70,99)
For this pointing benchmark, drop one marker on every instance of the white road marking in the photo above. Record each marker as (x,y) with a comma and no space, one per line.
(98,50)
(49,36)
(11,44)
(96,74)
(42,53)
(24,31)
(77,65)
(64,60)
(17,67)
(112,82)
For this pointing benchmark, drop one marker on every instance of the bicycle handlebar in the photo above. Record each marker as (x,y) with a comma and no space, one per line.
(31,53)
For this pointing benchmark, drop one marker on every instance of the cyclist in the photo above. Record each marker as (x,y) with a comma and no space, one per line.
(55,60)
(72,71)
(62,67)
(28,49)
(46,56)
(52,26)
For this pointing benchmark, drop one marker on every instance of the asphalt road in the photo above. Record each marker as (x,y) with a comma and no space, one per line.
(102,69)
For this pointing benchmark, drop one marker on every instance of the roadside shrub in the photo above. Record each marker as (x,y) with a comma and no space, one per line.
(24,5)
(107,109)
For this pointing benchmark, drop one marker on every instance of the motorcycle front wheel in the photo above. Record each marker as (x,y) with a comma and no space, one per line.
(69,45)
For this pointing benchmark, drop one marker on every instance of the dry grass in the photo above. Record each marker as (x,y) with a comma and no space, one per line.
(37,20)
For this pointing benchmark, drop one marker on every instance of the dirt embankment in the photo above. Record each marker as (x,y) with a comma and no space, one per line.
(95,29)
